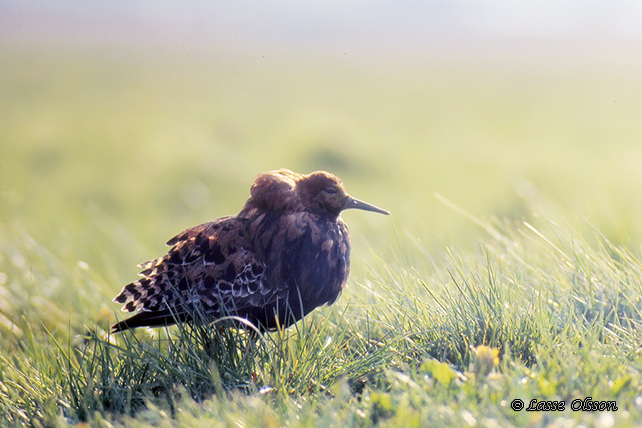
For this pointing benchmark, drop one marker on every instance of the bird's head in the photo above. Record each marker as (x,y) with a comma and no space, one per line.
(324,193)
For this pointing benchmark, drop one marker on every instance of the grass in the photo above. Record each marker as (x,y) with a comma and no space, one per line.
(517,283)
(565,317)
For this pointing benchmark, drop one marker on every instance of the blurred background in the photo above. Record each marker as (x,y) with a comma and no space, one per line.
(124,122)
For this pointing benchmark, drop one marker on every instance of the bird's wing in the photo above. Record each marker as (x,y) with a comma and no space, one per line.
(210,267)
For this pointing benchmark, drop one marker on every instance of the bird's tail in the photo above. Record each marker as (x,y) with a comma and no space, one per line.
(151,319)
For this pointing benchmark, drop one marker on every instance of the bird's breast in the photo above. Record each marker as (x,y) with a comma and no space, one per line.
(322,265)
(310,255)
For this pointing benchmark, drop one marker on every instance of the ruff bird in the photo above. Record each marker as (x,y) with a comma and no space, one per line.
(284,254)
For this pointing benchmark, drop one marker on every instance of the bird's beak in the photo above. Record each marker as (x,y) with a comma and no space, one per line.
(360,205)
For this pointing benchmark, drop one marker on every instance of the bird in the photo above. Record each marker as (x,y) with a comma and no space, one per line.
(284,254)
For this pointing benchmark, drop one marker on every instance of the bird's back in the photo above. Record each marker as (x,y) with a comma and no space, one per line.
(210,268)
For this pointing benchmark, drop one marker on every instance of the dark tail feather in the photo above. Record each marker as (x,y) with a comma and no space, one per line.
(150,319)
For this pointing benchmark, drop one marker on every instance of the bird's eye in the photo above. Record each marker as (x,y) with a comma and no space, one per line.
(330,190)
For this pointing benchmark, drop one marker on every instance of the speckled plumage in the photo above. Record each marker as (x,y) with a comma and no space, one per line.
(283,255)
